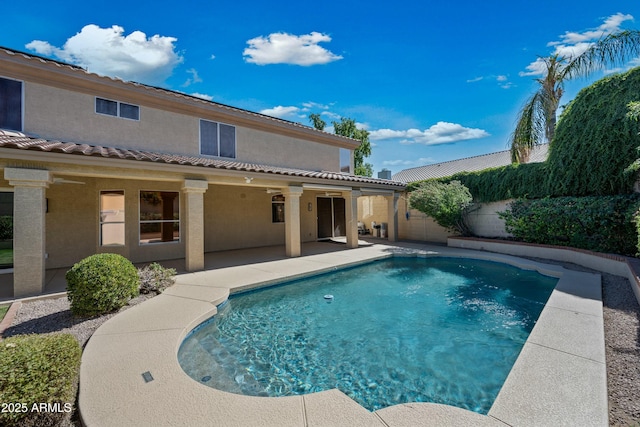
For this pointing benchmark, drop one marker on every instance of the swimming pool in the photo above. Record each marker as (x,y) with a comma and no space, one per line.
(442,330)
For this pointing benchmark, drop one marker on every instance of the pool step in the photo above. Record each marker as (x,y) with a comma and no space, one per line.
(218,368)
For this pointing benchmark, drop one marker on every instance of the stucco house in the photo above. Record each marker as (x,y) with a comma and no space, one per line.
(95,164)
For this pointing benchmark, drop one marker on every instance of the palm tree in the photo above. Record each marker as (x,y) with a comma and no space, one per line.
(537,120)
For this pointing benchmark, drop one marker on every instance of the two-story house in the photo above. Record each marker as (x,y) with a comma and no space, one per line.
(96,164)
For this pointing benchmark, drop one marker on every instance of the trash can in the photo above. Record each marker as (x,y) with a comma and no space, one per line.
(383,230)
(376,229)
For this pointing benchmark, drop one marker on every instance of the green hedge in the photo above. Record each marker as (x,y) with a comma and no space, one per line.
(603,224)
(596,140)
(502,183)
(101,283)
(40,370)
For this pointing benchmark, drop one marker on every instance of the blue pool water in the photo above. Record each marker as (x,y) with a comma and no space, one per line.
(441,330)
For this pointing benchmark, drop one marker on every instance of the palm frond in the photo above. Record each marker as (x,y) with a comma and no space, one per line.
(614,50)
(530,128)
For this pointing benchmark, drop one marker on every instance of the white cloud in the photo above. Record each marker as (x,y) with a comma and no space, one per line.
(203,96)
(610,26)
(281,112)
(572,44)
(283,48)
(440,133)
(195,78)
(313,105)
(503,81)
(108,51)
(409,163)
(330,115)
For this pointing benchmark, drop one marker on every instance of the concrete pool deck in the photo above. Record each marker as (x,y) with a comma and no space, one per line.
(558,379)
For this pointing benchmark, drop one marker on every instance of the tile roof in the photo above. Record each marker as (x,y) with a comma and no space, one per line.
(468,164)
(19,141)
(176,94)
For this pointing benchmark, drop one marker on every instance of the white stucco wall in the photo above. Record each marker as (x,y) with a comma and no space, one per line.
(484,222)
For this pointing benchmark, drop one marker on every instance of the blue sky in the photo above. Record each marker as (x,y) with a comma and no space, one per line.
(432,81)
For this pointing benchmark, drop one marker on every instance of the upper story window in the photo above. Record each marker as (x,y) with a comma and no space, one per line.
(117,109)
(345,160)
(217,139)
(10,104)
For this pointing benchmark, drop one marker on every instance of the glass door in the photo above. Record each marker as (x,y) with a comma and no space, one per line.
(6,229)
(331,217)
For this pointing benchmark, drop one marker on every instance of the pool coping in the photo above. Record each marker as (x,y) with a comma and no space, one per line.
(558,379)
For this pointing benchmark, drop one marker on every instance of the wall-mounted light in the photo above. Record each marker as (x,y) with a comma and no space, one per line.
(310,206)
(248,180)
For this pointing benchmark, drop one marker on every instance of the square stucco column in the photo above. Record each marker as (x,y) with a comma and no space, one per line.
(193,191)
(292,220)
(392,217)
(29,229)
(351,213)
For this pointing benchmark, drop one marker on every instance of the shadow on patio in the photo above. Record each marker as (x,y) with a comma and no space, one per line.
(55,278)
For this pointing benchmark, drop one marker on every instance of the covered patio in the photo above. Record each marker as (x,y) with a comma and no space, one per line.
(55,283)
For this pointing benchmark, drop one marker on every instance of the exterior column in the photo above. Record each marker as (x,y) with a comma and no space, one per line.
(194,223)
(292,220)
(29,229)
(392,217)
(351,213)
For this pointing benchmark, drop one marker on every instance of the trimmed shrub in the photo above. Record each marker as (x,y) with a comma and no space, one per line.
(155,278)
(38,370)
(101,283)
(445,203)
(602,224)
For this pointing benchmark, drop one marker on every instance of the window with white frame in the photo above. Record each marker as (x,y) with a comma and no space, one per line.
(10,104)
(117,109)
(159,216)
(217,139)
(112,218)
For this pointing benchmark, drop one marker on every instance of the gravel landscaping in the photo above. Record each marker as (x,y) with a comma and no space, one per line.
(621,323)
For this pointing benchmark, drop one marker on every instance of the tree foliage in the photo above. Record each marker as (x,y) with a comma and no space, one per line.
(596,141)
(536,121)
(446,203)
(317,121)
(347,127)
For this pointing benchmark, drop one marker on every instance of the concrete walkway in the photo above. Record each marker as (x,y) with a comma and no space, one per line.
(558,379)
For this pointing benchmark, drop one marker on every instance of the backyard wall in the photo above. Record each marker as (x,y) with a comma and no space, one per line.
(483,221)
(372,209)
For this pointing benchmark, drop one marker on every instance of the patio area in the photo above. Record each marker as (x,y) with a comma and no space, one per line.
(559,378)
(56,283)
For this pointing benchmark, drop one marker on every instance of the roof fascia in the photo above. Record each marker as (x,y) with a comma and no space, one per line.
(50,73)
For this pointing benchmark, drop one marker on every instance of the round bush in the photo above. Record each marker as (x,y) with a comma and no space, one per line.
(101,283)
(38,370)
